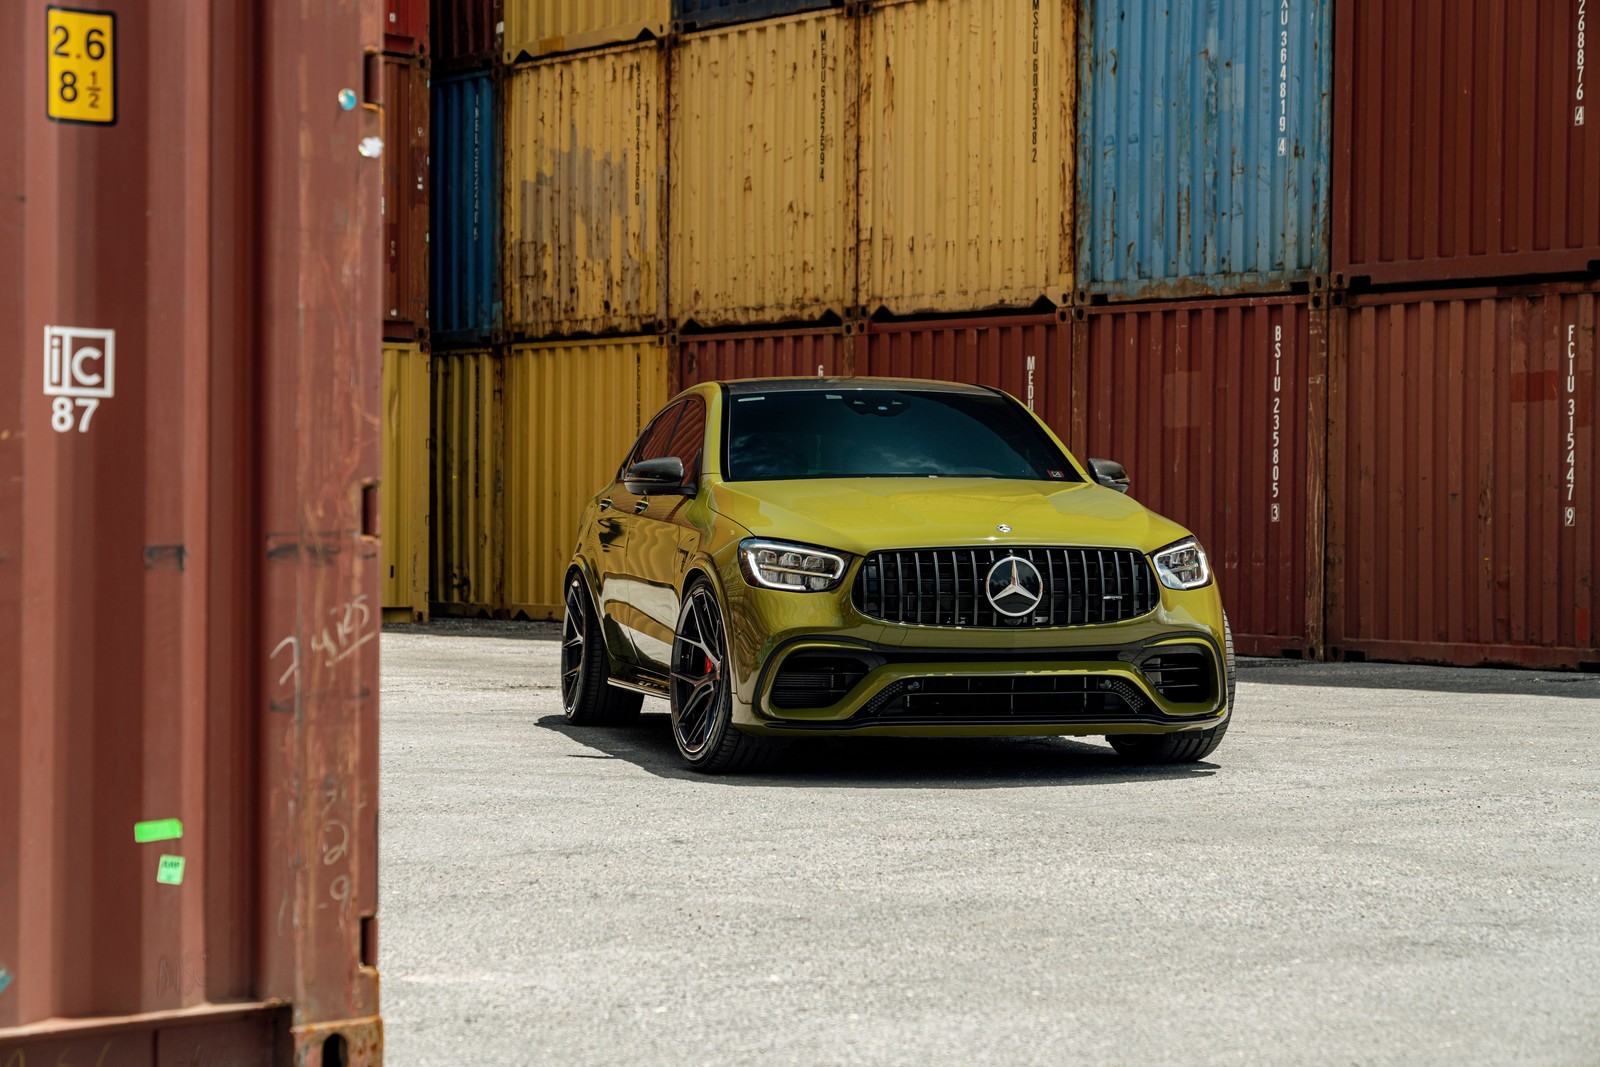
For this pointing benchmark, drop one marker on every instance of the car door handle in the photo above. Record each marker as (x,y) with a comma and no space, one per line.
(605,505)
(641,506)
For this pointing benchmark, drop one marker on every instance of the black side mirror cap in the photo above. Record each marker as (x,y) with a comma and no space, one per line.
(1110,473)
(655,477)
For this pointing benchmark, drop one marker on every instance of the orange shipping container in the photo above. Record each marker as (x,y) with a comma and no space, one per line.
(405,195)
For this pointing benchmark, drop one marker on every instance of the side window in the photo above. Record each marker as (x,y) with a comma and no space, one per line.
(653,442)
(688,441)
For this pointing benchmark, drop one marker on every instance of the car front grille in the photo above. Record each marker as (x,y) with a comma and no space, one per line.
(1007,699)
(946,586)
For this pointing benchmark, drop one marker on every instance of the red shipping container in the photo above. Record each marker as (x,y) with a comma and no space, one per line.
(466,34)
(405,196)
(1026,355)
(1217,409)
(189,460)
(760,354)
(405,27)
(1464,145)
(1463,515)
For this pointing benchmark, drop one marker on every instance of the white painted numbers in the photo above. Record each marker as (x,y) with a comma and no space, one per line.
(1583,28)
(1277,418)
(1283,80)
(1570,481)
(79,372)
(1030,383)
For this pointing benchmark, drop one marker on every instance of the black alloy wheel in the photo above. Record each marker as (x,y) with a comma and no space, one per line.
(587,697)
(702,693)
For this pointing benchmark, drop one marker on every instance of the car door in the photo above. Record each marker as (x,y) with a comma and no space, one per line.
(660,541)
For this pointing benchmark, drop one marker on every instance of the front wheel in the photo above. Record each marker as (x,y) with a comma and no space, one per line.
(702,691)
(1191,745)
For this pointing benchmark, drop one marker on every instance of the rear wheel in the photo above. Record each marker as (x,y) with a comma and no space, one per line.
(587,698)
(702,692)
(1191,745)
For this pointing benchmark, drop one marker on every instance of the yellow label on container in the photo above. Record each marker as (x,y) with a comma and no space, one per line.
(81,63)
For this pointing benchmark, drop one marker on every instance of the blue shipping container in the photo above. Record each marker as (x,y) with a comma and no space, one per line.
(1204,140)
(697,14)
(466,211)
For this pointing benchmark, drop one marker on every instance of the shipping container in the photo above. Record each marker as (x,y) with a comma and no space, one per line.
(763,172)
(403,527)
(1219,411)
(700,14)
(536,28)
(1204,132)
(467,488)
(572,411)
(465,233)
(189,468)
(466,34)
(1462,503)
(1461,146)
(966,184)
(585,146)
(1029,356)
(821,352)
(405,194)
(405,30)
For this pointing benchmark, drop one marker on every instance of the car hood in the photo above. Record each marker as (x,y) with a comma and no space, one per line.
(860,515)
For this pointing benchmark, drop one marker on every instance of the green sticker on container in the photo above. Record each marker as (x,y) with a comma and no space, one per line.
(157,830)
(170,872)
(5,979)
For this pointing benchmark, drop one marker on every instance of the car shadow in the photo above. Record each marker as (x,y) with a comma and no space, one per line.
(884,762)
(1424,677)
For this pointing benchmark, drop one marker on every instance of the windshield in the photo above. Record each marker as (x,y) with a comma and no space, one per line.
(886,433)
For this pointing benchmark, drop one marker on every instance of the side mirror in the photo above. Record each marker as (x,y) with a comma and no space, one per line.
(655,477)
(1110,474)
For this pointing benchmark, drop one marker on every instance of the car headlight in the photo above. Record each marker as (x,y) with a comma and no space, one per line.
(1183,565)
(797,568)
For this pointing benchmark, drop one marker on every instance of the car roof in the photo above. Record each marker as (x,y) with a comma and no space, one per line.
(748,386)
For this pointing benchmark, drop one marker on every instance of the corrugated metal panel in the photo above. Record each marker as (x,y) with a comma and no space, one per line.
(403,564)
(572,410)
(465,237)
(1204,137)
(188,568)
(467,495)
(405,190)
(405,29)
(466,32)
(1462,146)
(1218,410)
(763,224)
(767,354)
(967,155)
(697,14)
(585,228)
(1026,355)
(541,27)
(1463,506)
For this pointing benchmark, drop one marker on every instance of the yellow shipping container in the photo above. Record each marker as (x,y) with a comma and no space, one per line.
(572,411)
(968,150)
(585,143)
(763,174)
(403,493)
(466,575)
(540,27)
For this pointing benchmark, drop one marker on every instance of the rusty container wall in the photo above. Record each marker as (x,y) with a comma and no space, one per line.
(466,573)
(466,34)
(543,27)
(572,411)
(1463,507)
(763,172)
(1203,147)
(403,527)
(188,542)
(1218,410)
(700,14)
(967,155)
(1464,145)
(405,195)
(405,29)
(807,353)
(1029,356)
(585,218)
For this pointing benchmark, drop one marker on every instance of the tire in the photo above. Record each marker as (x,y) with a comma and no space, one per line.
(702,692)
(1189,746)
(587,698)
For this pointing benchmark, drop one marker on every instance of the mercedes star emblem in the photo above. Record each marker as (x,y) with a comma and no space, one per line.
(1003,528)
(1014,586)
